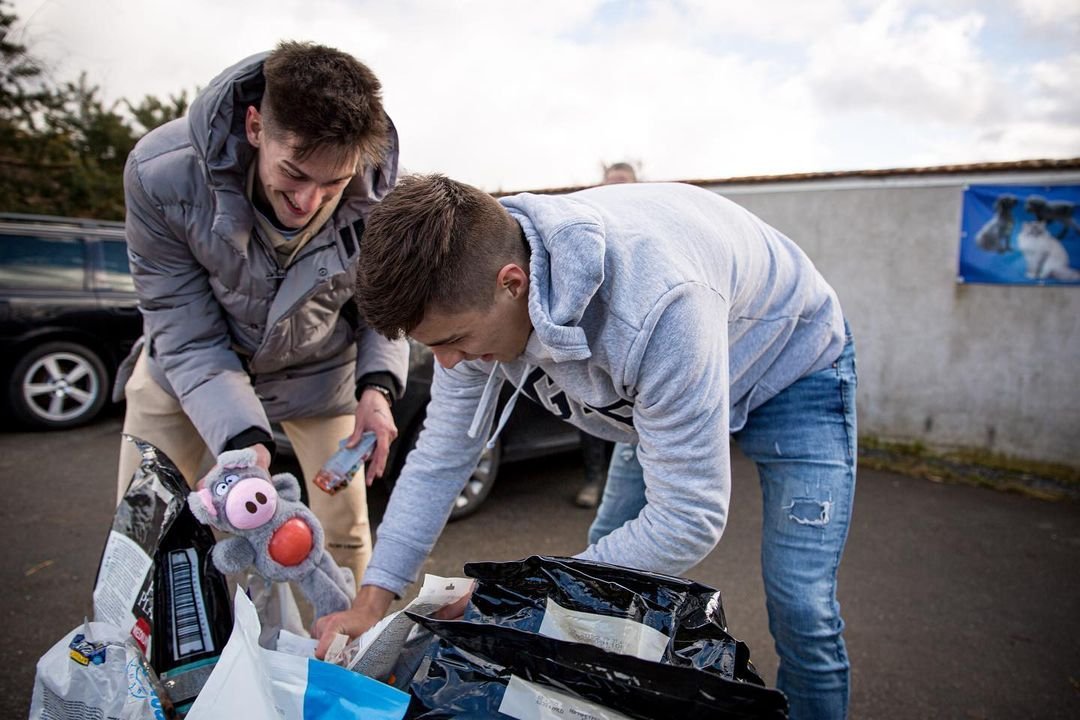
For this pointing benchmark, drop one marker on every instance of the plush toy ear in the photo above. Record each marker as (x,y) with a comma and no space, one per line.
(202,507)
(287,486)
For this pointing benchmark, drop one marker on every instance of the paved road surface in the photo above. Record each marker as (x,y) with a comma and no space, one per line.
(960,602)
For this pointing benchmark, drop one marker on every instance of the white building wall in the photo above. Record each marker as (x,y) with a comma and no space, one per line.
(990,367)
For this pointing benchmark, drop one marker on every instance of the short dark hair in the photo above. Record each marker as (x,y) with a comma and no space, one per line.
(433,243)
(624,166)
(326,98)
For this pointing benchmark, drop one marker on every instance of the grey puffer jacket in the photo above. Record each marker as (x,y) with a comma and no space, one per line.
(237,339)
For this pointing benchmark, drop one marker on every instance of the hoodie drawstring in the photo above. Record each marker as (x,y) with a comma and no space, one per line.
(487,401)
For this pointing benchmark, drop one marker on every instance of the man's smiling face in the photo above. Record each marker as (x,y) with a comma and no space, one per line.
(297,188)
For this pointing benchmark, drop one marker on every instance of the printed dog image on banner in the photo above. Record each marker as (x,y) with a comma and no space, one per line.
(1021,235)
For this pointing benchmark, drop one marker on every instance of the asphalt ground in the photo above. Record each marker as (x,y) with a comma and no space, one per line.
(960,601)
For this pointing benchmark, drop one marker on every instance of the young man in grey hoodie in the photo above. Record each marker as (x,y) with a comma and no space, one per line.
(656,314)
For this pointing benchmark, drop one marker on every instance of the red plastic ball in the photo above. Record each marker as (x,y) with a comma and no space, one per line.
(291,543)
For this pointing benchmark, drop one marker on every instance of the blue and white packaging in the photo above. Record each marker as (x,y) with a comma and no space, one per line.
(95,671)
(250,681)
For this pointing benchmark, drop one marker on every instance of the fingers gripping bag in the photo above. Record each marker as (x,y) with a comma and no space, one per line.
(157,582)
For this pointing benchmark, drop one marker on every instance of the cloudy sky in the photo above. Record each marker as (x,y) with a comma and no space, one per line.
(513,95)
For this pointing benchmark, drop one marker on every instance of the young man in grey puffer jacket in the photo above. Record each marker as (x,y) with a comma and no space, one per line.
(244,222)
(657,314)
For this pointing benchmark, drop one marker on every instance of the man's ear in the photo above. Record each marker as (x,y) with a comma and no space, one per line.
(514,280)
(253,126)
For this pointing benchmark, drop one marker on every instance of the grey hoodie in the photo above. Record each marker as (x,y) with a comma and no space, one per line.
(239,340)
(662,315)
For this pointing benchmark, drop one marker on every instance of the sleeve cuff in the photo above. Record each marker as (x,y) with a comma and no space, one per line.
(382,379)
(385,580)
(252,436)
(394,565)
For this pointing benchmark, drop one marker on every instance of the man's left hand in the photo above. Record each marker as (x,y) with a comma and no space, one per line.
(373,413)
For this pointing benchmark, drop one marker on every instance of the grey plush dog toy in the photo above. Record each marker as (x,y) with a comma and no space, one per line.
(271,529)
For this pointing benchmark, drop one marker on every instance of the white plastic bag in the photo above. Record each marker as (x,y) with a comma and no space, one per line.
(277,609)
(252,682)
(95,671)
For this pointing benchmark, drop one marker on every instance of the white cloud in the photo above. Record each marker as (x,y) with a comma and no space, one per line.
(919,66)
(513,94)
(1052,89)
(1050,12)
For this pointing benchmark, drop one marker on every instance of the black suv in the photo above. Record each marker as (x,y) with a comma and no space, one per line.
(68,316)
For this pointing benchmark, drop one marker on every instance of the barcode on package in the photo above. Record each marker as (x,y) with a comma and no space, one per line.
(190,629)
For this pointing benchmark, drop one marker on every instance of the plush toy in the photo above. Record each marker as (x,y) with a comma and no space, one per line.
(271,529)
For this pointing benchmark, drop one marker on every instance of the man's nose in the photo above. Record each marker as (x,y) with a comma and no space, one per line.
(307,197)
(447,358)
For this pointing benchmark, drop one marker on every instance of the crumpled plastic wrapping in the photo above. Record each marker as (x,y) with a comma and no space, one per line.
(588,639)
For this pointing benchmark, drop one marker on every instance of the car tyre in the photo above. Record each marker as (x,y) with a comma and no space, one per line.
(58,385)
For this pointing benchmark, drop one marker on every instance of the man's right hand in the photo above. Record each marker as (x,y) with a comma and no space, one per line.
(262,459)
(368,608)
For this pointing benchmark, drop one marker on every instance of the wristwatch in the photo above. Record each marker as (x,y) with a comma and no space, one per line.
(383,391)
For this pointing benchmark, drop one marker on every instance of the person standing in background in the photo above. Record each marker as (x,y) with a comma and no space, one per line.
(596,452)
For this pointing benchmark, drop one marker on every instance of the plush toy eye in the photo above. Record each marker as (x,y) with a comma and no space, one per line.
(221,488)
(231,478)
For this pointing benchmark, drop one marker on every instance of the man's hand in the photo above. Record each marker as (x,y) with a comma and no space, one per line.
(262,456)
(262,459)
(368,608)
(373,413)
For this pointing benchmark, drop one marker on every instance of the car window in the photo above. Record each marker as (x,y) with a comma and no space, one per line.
(116,272)
(39,263)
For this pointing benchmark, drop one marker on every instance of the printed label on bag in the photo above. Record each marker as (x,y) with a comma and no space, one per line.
(124,570)
(190,628)
(528,701)
(617,635)
(439,591)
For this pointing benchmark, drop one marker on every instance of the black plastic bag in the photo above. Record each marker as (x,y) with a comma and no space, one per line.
(698,671)
(468,670)
(156,579)
(689,613)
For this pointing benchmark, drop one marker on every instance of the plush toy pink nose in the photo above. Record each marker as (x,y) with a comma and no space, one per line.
(251,503)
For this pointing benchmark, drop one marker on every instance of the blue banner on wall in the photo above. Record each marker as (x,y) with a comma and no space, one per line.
(1021,235)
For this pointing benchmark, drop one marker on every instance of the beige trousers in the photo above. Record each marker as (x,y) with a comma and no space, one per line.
(155,416)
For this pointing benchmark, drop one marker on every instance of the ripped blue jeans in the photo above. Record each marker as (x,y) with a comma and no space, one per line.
(803,441)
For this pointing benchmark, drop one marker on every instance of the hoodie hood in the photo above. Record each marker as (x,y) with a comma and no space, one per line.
(216,127)
(566,270)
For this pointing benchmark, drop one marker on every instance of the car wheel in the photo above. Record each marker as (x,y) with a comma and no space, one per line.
(479,484)
(58,385)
